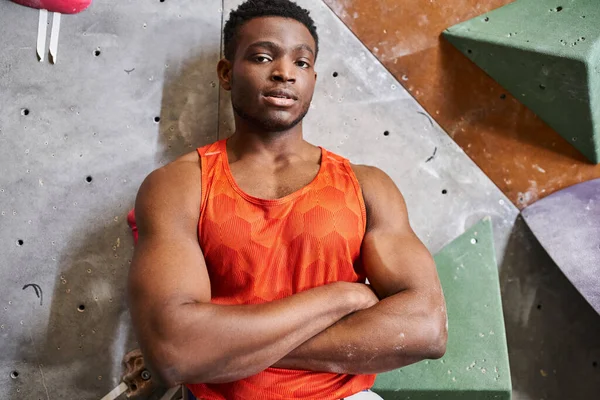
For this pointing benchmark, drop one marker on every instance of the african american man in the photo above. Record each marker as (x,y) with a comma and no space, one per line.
(252,253)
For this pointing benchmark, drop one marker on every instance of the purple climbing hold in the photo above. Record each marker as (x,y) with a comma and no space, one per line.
(567,224)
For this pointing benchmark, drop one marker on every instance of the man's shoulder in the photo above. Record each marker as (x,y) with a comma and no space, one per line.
(191,157)
(186,164)
(375,184)
(177,183)
(366,174)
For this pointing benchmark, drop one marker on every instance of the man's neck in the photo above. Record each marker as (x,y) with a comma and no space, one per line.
(273,145)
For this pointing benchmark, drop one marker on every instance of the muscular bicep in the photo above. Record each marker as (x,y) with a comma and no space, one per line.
(168,267)
(395,262)
(392,255)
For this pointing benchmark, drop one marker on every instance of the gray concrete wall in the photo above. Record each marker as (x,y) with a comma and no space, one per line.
(95,116)
(88,116)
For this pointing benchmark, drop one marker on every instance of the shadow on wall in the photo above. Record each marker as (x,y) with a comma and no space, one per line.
(89,329)
(185,119)
(540,307)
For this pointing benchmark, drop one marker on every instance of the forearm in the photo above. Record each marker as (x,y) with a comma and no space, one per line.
(214,343)
(397,331)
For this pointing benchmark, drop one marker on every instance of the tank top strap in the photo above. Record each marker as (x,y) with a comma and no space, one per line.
(211,168)
(210,149)
(332,157)
(337,164)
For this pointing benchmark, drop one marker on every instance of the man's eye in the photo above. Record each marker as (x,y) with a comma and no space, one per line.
(303,64)
(262,59)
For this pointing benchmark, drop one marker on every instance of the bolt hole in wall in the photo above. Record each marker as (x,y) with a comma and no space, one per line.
(14,374)
(444,191)
(20,242)
(486,19)
(81,308)
(25,111)
(97,52)
(157,119)
(539,306)
(386,133)
(335,74)
(88,179)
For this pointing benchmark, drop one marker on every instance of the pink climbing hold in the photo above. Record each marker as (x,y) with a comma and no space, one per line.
(59,6)
(132,224)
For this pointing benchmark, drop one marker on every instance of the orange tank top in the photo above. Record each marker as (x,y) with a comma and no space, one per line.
(259,250)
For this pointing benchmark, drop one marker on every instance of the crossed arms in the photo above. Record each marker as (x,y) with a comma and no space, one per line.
(340,327)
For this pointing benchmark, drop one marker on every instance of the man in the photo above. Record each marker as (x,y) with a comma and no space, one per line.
(248,278)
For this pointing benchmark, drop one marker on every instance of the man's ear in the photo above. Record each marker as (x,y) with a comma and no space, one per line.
(224,71)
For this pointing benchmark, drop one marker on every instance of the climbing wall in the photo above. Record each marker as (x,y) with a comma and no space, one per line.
(546,56)
(135,87)
(522,155)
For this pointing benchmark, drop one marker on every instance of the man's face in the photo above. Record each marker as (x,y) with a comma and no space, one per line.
(273,78)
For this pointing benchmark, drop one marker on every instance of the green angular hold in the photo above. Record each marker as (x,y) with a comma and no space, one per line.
(475,365)
(546,53)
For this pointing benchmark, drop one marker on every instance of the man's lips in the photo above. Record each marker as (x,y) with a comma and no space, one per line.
(279,101)
(282,93)
(280,97)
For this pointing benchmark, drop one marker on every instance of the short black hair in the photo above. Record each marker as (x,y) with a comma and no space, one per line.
(264,8)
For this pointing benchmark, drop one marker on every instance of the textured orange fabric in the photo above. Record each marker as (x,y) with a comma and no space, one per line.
(259,250)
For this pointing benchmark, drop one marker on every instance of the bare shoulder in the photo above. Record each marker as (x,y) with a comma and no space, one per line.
(368,173)
(373,181)
(171,191)
(381,195)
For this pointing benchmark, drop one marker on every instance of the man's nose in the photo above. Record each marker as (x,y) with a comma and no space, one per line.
(284,71)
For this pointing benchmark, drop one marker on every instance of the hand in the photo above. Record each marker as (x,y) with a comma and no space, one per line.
(361,295)
(370,296)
